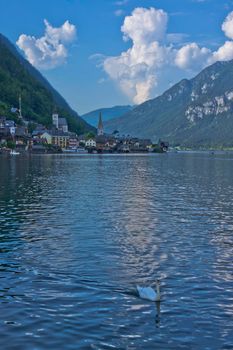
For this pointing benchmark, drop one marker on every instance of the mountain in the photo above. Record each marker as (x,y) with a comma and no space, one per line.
(39,98)
(107,114)
(193,113)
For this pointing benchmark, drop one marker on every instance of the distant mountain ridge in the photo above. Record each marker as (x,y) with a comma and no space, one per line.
(39,98)
(107,114)
(193,113)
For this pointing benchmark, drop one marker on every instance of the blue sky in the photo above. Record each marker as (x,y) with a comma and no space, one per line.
(92,66)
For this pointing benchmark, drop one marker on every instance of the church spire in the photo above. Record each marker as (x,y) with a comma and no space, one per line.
(100,129)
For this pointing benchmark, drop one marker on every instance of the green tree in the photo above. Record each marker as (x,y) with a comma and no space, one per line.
(90,135)
(11,144)
(39,99)
(31,127)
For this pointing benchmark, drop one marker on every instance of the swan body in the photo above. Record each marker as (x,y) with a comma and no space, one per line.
(149,293)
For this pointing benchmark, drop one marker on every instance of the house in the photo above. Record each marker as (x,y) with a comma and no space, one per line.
(56,138)
(10,125)
(110,141)
(123,148)
(10,132)
(82,140)
(60,123)
(21,136)
(4,132)
(91,143)
(73,141)
(100,143)
(39,130)
(38,145)
(47,136)
(7,126)
(2,122)
(140,145)
(4,135)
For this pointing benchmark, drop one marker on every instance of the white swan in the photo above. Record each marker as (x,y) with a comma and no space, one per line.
(149,293)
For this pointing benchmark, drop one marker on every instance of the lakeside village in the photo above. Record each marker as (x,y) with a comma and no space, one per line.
(16,139)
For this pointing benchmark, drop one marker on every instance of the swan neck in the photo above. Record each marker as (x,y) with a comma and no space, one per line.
(158,289)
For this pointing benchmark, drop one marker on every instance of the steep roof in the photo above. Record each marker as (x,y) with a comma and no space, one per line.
(62,121)
(57,133)
(100,124)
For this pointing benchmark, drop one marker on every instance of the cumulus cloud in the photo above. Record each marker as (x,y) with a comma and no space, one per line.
(145,26)
(227,26)
(50,50)
(224,53)
(146,68)
(191,56)
(133,69)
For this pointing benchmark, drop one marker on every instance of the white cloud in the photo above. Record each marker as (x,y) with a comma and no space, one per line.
(50,50)
(224,53)
(146,68)
(134,68)
(145,25)
(191,56)
(227,26)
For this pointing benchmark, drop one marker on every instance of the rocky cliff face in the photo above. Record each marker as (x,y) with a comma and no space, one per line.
(193,113)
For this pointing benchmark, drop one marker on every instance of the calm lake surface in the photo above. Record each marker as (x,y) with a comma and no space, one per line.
(77,233)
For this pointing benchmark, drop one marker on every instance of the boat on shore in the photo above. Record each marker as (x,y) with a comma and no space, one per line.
(78,150)
(14,153)
(81,150)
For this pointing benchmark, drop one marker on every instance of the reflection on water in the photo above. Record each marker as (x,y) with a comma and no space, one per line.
(78,233)
(157,317)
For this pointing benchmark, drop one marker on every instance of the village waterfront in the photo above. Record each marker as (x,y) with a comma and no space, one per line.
(77,234)
(23,136)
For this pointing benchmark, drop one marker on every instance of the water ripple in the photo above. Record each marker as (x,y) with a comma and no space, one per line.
(78,233)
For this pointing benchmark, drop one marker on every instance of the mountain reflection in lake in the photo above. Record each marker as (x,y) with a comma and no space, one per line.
(77,233)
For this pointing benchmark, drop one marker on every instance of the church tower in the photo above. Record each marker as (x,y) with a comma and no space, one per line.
(55,119)
(100,129)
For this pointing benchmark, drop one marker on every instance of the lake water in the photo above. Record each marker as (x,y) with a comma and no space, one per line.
(77,233)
